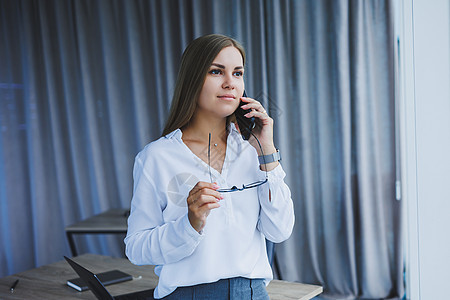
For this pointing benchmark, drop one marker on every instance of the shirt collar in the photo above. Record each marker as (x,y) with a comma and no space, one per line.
(177,134)
(174,134)
(232,128)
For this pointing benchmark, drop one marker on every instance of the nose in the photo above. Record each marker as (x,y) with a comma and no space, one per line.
(228,82)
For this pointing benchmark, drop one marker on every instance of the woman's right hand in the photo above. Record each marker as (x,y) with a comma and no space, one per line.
(201,200)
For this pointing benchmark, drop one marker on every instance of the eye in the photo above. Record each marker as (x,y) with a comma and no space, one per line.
(238,73)
(215,72)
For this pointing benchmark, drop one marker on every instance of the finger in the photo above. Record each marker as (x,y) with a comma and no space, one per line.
(254,105)
(198,213)
(263,116)
(249,100)
(209,190)
(204,199)
(202,196)
(203,212)
(202,185)
(205,208)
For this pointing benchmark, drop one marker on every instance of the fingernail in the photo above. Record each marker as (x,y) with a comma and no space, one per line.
(215,186)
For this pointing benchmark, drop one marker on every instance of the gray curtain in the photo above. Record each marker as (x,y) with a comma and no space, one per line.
(84,85)
(341,160)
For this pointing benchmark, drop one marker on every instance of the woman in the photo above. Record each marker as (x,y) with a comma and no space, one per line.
(207,240)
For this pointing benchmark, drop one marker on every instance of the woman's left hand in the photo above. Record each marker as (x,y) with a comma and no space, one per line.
(264,126)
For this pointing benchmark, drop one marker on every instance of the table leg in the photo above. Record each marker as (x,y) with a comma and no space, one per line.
(73,249)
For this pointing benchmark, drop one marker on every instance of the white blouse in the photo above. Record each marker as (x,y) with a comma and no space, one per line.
(232,242)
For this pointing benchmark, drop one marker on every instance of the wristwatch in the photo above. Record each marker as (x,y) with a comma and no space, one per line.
(267,159)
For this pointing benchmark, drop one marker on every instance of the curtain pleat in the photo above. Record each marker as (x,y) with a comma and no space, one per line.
(85,85)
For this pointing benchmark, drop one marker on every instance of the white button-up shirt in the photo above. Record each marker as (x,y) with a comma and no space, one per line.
(232,242)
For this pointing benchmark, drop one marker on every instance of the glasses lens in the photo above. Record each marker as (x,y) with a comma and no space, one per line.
(255,184)
(233,189)
(245,186)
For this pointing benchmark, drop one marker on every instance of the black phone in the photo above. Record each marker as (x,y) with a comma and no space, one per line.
(245,124)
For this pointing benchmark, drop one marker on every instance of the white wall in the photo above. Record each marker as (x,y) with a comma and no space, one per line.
(425,140)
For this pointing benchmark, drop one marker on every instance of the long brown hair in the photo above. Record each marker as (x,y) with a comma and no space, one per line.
(195,63)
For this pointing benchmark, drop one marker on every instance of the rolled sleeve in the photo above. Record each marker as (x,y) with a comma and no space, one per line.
(277,218)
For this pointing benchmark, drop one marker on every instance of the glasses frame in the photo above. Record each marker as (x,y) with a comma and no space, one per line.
(244,186)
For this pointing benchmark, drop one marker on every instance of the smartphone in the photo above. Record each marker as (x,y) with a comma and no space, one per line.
(245,124)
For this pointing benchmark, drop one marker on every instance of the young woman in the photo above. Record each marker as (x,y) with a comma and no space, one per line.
(204,198)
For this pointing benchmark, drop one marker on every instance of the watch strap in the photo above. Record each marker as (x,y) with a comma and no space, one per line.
(267,159)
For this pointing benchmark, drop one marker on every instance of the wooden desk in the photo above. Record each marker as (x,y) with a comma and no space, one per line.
(49,282)
(112,221)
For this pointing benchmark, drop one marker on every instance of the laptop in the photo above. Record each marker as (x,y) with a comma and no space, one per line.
(99,290)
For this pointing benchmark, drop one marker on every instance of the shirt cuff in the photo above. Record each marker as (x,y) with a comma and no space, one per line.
(276,174)
(189,229)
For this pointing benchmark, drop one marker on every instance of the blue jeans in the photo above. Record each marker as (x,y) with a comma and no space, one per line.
(237,288)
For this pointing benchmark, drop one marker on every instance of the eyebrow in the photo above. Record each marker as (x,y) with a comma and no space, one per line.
(223,67)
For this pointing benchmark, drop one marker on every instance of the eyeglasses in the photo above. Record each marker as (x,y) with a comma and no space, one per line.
(235,188)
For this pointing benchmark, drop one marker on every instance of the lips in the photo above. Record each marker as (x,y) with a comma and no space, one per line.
(227,97)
